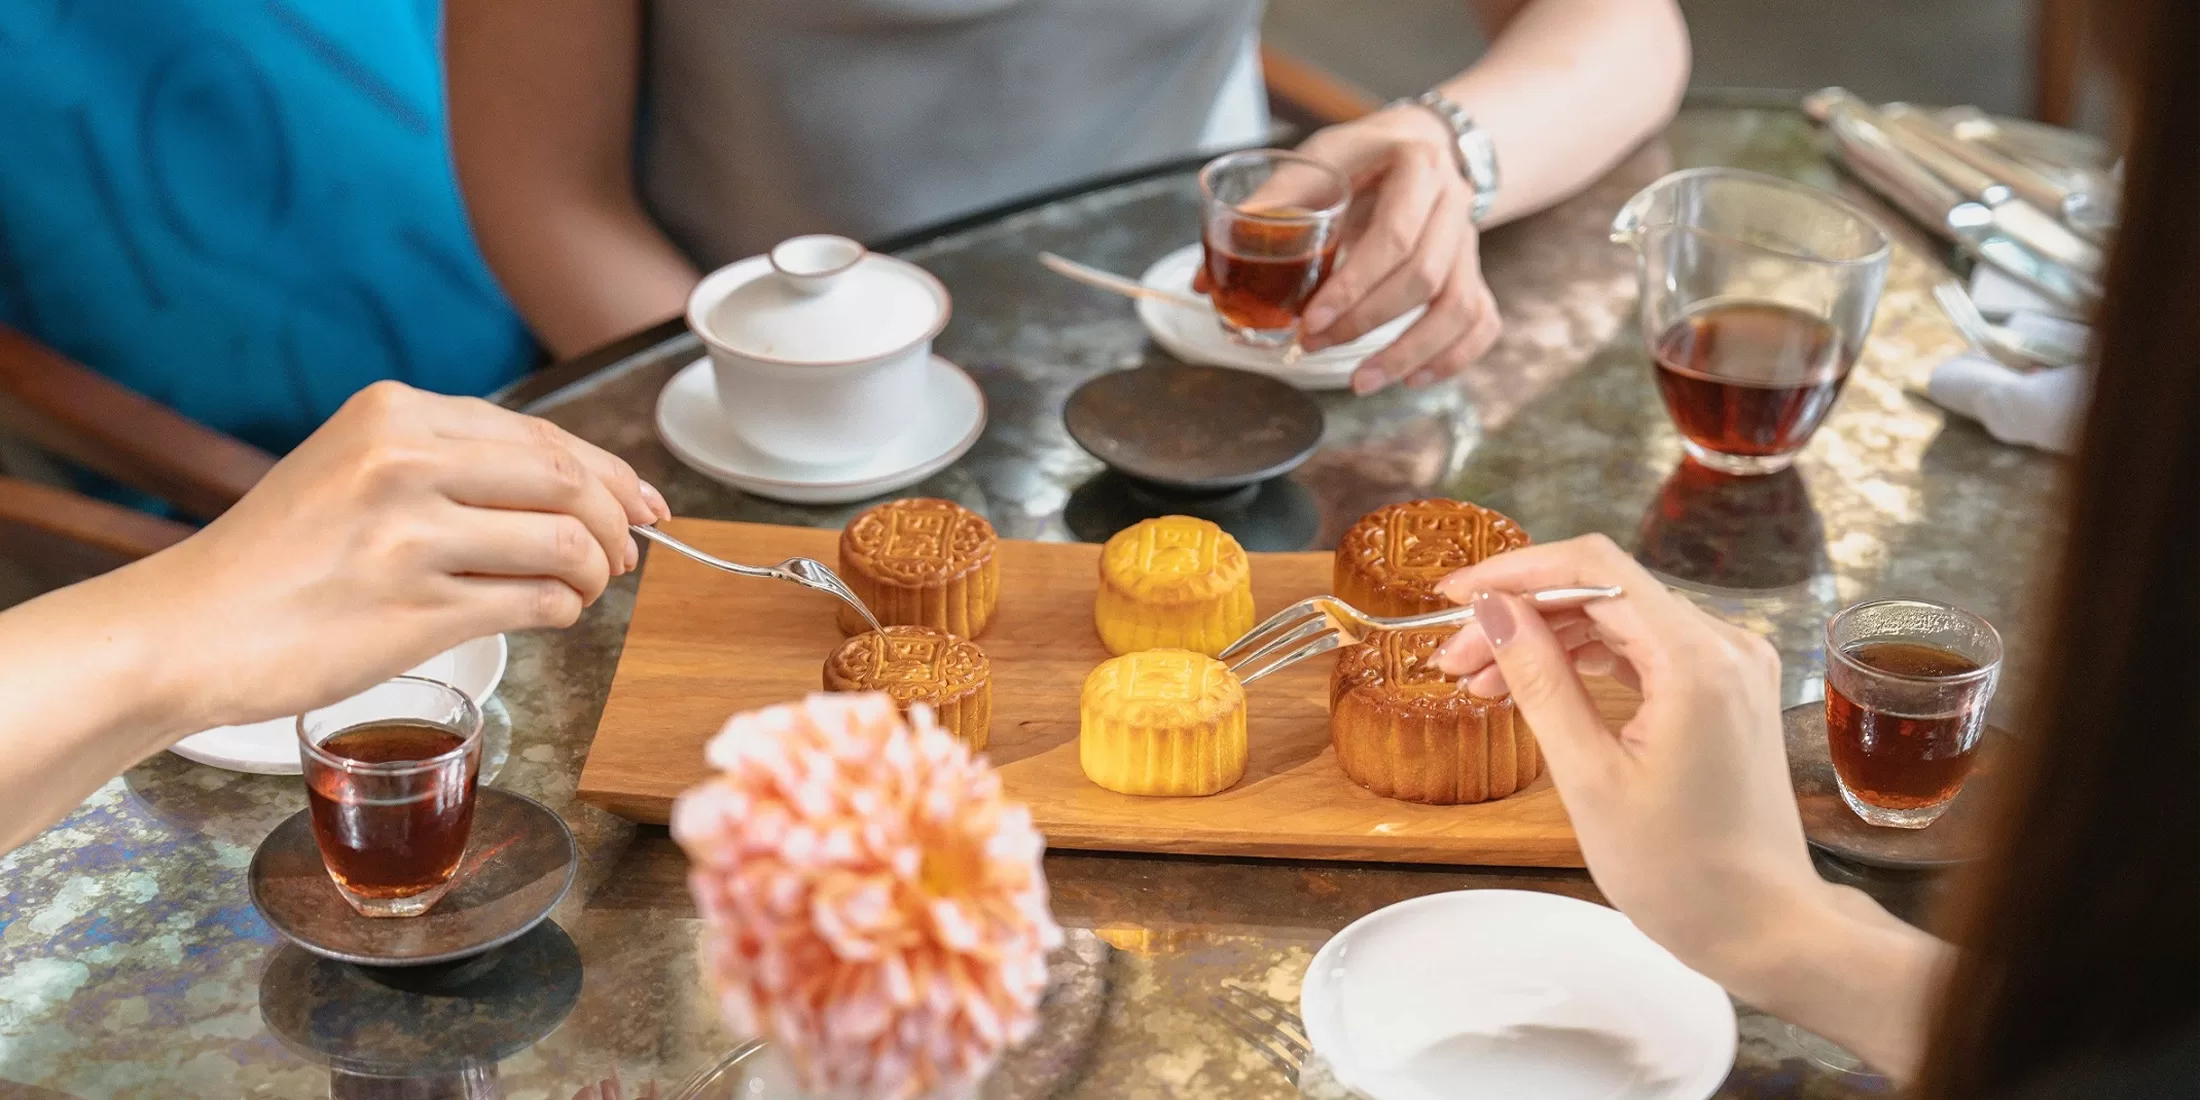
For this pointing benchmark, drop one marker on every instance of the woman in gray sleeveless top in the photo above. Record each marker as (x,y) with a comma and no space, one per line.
(611,150)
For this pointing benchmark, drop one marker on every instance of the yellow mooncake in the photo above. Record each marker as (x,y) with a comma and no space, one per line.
(1173,582)
(1162,722)
(916,664)
(921,562)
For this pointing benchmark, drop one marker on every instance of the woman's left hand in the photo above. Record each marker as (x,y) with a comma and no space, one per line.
(1410,240)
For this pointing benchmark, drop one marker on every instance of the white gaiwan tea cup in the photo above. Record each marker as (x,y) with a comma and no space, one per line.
(819,348)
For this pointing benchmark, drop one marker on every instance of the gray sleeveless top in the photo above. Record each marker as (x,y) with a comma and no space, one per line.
(767,118)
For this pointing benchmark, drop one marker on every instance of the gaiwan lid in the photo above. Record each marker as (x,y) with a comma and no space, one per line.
(827,300)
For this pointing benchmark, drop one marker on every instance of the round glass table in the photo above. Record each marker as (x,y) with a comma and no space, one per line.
(132,963)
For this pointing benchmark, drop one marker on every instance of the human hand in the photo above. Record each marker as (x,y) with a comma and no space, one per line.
(610,1089)
(1409,240)
(407,524)
(1686,815)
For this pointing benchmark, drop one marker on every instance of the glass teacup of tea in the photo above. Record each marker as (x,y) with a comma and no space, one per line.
(1907,684)
(1757,295)
(1269,225)
(390,777)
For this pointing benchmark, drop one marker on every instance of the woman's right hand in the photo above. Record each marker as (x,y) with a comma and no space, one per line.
(409,523)
(1685,814)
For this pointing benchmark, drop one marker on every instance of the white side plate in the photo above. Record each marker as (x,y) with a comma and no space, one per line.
(1513,993)
(1194,335)
(271,747)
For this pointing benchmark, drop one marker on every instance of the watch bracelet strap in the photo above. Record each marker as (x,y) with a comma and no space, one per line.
(1482,176)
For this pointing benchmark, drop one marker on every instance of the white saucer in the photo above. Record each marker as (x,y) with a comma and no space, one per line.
(271,747)
(1195,336)
(1513,993)
(689,423)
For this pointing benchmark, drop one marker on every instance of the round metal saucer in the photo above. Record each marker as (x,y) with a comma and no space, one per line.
(1960,834)
(1278,514)
(520,860)
(357,1021)
(1196,429)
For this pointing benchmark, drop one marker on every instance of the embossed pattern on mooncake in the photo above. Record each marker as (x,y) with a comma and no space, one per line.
(922,562)
(1403,729)
(916,664)
(1389,562)
(1173,582)
(1162,722)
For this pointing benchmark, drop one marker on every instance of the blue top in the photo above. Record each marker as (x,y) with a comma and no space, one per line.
(243,209)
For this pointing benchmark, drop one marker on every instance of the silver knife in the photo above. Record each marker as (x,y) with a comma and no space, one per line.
(1871,154)
(2084,196)
(1917,137)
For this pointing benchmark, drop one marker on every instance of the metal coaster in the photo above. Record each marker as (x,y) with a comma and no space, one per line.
(1959,836)
(354,1020)
(1278,515)
(519,863)
(1194,429)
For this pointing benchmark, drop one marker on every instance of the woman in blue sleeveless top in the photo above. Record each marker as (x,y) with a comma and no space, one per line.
(243,211)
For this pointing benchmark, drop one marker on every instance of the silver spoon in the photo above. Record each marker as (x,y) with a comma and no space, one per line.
(807,572)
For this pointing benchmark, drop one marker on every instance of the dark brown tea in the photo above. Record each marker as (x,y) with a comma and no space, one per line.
(1898,762)
(1264,274)
(1751,378)
(391,836)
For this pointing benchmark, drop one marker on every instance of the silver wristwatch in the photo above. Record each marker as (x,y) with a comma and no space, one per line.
(1476,152)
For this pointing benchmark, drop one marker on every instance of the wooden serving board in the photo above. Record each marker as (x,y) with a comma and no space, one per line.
(703,645)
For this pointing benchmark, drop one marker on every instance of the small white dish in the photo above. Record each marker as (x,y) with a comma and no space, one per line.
(1196,337)
(271,747)
(943,427)
(1513,993)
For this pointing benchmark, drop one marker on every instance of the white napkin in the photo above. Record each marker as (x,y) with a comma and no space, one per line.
(2040,409)
(1997,293)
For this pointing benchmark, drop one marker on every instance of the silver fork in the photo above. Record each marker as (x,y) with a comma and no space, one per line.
(1272,1030)
(807,572)
(1318,624)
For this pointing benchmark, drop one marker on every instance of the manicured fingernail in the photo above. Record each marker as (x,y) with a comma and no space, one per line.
(656,501)
(1496,616)
(633,554)
(1319,318)
(1420,380)
(1451,656)
(1365,382)
(1454,588)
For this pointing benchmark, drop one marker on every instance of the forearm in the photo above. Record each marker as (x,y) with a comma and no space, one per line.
(1839,965)
(582,271)
(1568,87)
(542,100)
(83,696)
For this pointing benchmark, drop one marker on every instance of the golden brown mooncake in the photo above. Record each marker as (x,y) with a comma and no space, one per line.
(1405,730)
(916,664)
(1389,562)
(1162,722)
(1173,582)
(922,562)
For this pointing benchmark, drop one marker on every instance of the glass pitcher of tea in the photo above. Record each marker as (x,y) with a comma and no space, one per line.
(1757,295)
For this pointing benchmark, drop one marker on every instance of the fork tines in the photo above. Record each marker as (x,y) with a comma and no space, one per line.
(1315,639)
(1272,1030)
(1282,622)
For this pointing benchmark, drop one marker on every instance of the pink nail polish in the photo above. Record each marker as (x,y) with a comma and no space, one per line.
(656,501)
(1495,614)
(1448,656)
(1318,318)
